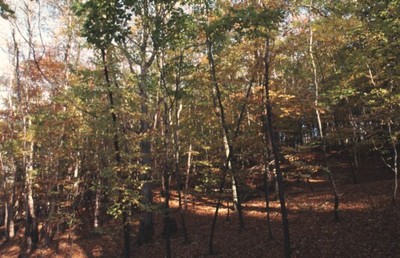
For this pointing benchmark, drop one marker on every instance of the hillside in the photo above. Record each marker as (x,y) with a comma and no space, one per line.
(369,227)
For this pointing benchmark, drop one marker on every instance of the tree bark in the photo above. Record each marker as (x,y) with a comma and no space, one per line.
(229,156)
(188,166)
(276,153)
(9,199)
(31,226)
(178,109)
(267,207)
(146,222)
(321,134)
(166,175)
(117,155)
(316,84)
(395,161)
(267,173)
(227,144)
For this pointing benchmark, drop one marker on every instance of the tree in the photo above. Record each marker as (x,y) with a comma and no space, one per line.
(241,21)
(110,28)
(275,151)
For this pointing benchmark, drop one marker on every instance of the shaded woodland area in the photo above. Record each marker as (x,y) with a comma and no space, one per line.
(195,128)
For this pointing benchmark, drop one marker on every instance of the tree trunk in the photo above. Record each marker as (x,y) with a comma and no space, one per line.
(146,229)
(267,207)
(236,133)
(97,200)
(9,222)
(48,227)
(267,173)
(117,154)
(395,161)
(31,226)
(276,153)
(178,109)
(321,134)
(9,197)
(316,85)
(167,218)
(354,146)
(227,144)
(188,166)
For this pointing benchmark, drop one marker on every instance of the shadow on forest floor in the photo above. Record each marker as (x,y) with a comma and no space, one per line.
(369,227)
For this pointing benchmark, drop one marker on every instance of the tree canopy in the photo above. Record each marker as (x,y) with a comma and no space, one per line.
(110,107)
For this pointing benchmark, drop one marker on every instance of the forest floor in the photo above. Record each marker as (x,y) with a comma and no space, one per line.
(369,225)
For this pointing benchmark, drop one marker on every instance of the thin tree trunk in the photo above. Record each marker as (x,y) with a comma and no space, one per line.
(6,211)
(97,204)
(266,175)
(117,155)
(167,218)
(395,162)
(235,197)
(316,85)
(276,153)
(336,196)
(49,229)
(188,166)
(10,201)
(221,188)
(354,168)
(146,229)
(268,209)
(177,172)
(5,197)
(11,212)
(228,158)
(227,144)
(31,227)
(31,224)
(316,103)
(9,197)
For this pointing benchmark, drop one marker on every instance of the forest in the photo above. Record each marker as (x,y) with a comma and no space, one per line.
(171,128)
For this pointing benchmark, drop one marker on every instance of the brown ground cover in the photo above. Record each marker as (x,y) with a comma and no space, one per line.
(369,227)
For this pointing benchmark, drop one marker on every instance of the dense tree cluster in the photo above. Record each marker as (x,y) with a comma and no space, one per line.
(106,101)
